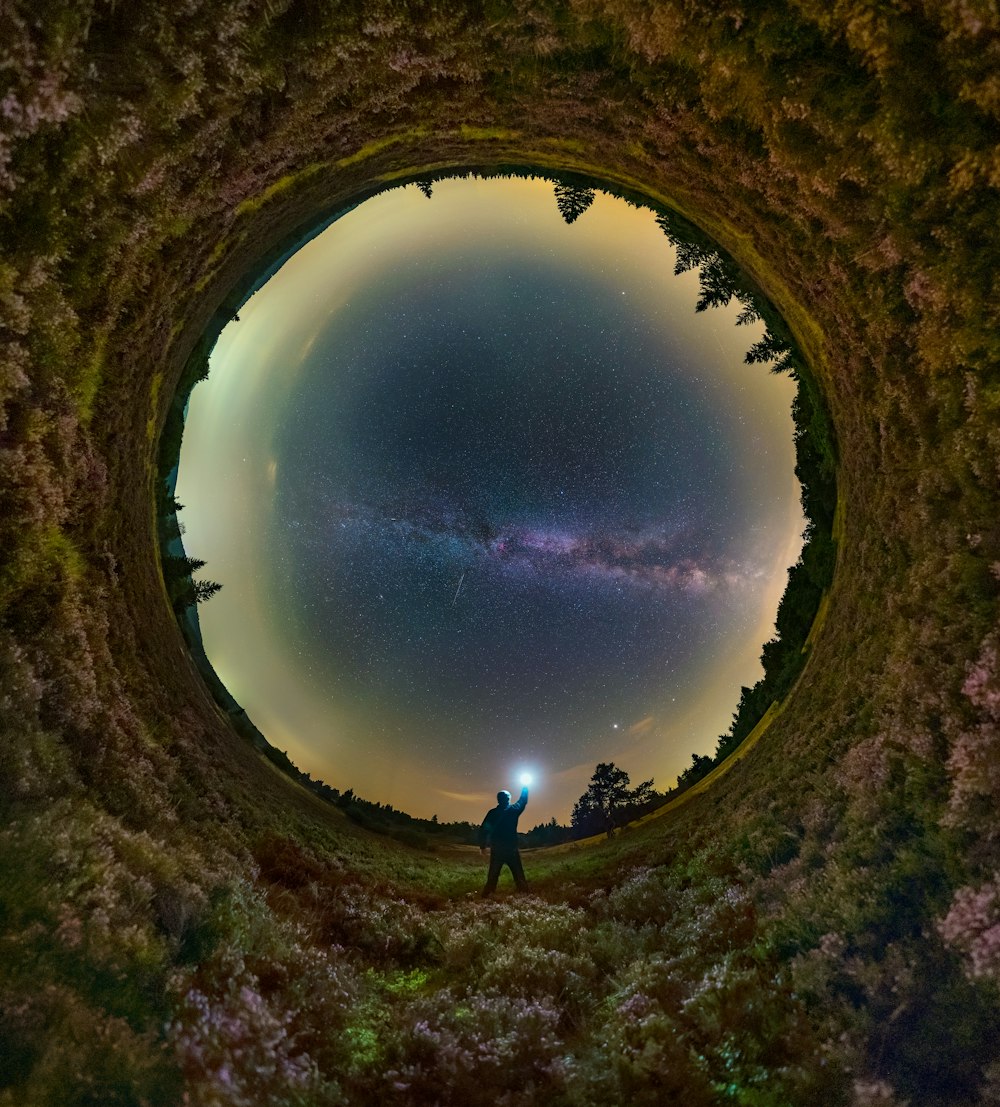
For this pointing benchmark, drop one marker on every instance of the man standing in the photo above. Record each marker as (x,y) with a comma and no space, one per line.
(499,832)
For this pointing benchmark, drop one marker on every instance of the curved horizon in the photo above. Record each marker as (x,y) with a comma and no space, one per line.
(722,584)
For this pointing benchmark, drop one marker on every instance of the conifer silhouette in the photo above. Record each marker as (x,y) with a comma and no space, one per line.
(573,201)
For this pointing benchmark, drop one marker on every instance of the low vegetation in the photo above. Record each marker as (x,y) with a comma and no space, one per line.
(180,921)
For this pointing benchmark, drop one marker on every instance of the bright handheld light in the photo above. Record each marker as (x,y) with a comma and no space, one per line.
(525,779)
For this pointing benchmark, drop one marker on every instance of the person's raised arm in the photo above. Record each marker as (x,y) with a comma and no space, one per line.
(522,801)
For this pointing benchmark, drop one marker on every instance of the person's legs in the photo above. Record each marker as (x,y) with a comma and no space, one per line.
(496,863)
(517,871)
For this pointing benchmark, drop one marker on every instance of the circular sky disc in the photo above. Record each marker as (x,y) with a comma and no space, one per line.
(484,490)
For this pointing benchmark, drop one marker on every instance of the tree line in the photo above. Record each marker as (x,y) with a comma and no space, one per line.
(721,281)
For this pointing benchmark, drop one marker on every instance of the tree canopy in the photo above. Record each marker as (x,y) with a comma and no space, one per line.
(573,200)
(608,800)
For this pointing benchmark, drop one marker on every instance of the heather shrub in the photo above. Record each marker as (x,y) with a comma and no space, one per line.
(58,1049)
(907,1019)
(262,1009)
(645,895)
(33,762)
(84,977)
(611,943)
(529,971)
(729,1032)
(236,1049)
(525,948)
(643,1059)
(81,905)
(706,916)
(755,1036)
(480,931)
(974,762)
(384,928)
(972,926)
(485,1047)
(875,1093)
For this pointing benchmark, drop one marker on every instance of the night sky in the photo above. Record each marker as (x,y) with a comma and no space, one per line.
(485,494)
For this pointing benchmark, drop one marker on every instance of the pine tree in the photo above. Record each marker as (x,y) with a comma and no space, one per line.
(573,201)
(607,797)
(181,566)
(771,348)
(205,590)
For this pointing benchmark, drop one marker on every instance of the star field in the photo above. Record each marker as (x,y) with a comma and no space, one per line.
(495,505)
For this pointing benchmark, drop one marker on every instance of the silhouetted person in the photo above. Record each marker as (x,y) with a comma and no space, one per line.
(499,832)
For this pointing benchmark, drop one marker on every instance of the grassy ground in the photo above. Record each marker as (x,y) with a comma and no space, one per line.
(817,925)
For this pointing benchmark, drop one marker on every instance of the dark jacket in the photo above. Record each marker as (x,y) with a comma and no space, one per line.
(499,828)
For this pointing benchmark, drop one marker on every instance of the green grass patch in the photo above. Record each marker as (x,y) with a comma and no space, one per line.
(488,134)
(154,407)
(89,382)
(283,184)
